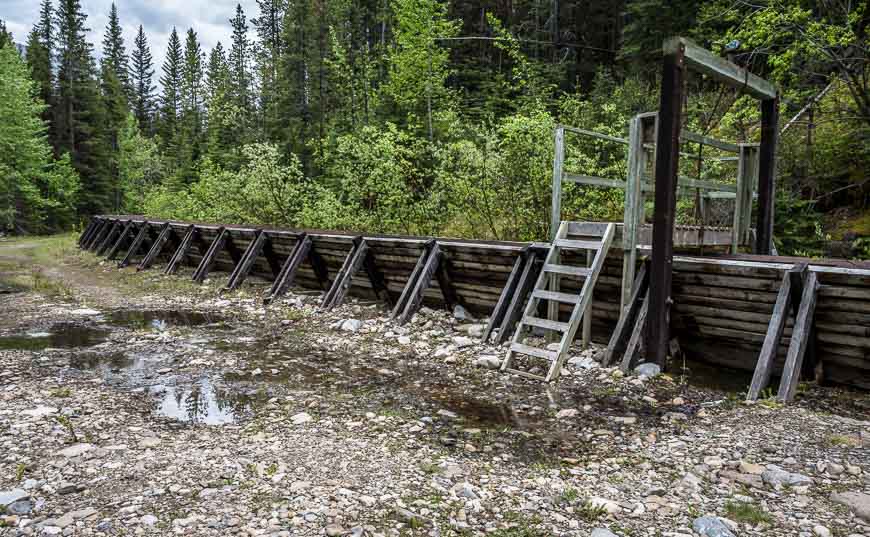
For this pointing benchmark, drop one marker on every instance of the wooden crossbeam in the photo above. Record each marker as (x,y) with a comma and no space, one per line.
(243,268)
(108,238)
(623,332)
(800,339)
(524,286)
(97,235)
(87,231)
(182,250)
(208,260)
(342,285)
(156,248)
(764,367)
(510,287)
(326,301)
(412,281)
(637,336)
(135,246)
(291,266)
(113,251)
(415,299)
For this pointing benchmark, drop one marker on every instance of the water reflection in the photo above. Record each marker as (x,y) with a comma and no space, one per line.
(200,403)
(59,336)
(161,320)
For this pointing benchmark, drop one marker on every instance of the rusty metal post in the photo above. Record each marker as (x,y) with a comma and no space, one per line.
(766,175)
(666,167)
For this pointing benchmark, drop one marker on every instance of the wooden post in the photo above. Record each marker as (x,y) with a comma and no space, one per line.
(376,278)
(634,343)
(558,160)
(415,299)
(135,246)
(510,287)
(291,265)
(622,333)
(634,180)
(181,251)
(800,339)
(586,333)
(345,266)
(243,268)
(97,235)
(207,261)
(125,233)
(764,367)
(524,286)
(107,239)
(156,248)
(667,160)
(342,285)
(412,280)
(767,175)
(747,176)
(87,231)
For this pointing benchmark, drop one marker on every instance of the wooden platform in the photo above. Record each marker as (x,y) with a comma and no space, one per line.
(722,304)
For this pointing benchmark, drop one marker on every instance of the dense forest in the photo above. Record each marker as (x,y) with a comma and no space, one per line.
(419,116)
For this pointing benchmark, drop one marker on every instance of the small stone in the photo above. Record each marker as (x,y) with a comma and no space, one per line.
(602,532)
(488,362)
(821,531)
(751,468)
(566,413)
(403,340)
(710,526)
(351,325)
(462,341)
(648,370)
(148,520)
(76,450)
(149,442)
(302,417)
(609,506)
(8,497)
(461,314)
(776,476)
(334,530)
(21,507)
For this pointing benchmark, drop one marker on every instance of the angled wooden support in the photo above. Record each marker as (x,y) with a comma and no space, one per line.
(341,275)
(98,234)
(342,285)
(243,268)
(412,281)
(122,238)
(108,238)
(87,231)
(781,311)
(291,266)
(801,339)
(95,231)
(135,246)
(504,298)
(208,260)
(532,266)
(445,282)
(232,249)
(321,270)
(415,299)
(637,336)
(624,328)
(182,250)
(156,248)
(376,278)
(271,256)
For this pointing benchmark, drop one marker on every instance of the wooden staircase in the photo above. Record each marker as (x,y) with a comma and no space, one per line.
(547,289)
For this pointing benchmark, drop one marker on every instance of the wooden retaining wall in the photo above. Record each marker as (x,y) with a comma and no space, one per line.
(721,311)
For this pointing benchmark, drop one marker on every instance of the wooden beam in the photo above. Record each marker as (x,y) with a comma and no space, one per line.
(507,292)
(524,286)
(800,339)
(342,285)
(423,280)
(87,231)
(156,248)
(208,260)
(106,240)
(634,343)
(135,246)
(412,280)
(767,176)
(243,267)
(621,335)
(667,164)
(291,266)
(342,272)
(558,160)
(271,257)
(321,270)
(702,60)
(445,283)
(182,250)
(376,278)
(98,234)
(770,347)
(125,234)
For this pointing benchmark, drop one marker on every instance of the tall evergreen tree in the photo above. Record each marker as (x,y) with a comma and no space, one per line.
(39,59)
(143,89)
(223,139)
(191,108)
(270,27)
(239,61)
(80,116)
(170,100)
(115,53)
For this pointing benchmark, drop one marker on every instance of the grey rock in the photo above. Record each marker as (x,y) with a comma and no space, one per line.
(351,325)
(69,488)
(21,507)
(602,532)
(648,370)
(488,362)
(710,526)
(857,502)
(411,517)
(462,341)
(148,520)
(776,476)
(76,450)
(461,314)
(8,497)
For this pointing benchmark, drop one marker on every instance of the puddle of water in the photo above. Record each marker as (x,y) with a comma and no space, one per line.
(59,336)
(200,403)
(161,319)
(108,362)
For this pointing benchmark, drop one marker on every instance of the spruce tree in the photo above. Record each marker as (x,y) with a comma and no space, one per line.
(190,133)
(115,53)
(80,115)
(143,89)
(170,100)
(38,56)
(270,28)
(239,60)
(222,136)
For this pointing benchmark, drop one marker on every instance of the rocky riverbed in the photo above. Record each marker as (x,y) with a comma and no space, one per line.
(139,404)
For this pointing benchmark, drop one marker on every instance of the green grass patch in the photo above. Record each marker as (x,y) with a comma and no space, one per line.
(747,513)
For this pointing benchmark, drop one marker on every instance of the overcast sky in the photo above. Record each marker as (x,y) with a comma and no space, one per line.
(208,18)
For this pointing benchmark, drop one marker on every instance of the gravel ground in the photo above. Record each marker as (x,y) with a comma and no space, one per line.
(138,404)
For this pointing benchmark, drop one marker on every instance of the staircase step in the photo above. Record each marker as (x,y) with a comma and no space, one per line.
(577,245)
(537,352)
(566,298)
(526,374)
(567,270)
(546,323)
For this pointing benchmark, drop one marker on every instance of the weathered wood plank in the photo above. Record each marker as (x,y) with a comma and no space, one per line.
(291,266)
(109,238)
(412,281)
(619,339)
(800,340)
(637,336)
(243,268)
(415,299)
(764,367)
(531,270)
(135,246)
(156,248)
(122,238)
(344,283)
(182,250)
(207,261)
(340,276)
(498,313)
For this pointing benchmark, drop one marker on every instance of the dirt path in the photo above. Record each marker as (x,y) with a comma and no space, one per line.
(136,404)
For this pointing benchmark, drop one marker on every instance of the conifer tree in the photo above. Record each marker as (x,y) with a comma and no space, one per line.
(170,100)
(190,132)
(143,89)
(270,27)
(39,59)
(239,61)
(115,53)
